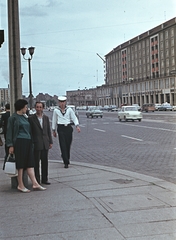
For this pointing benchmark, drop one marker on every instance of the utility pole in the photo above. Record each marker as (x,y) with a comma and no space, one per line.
(14,65)
(14,53)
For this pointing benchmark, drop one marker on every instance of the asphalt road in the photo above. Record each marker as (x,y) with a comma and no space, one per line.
(147,147)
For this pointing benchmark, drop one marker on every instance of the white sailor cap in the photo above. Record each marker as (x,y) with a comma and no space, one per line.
(62,98)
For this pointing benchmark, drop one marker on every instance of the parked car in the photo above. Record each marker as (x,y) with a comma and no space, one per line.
(137,106)
(94,112)
(173,108)
(112,108)
(165,107)
(157,105)
(129,113)
(148,107)
(105,107)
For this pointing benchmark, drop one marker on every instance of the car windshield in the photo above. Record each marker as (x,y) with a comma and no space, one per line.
(130,109)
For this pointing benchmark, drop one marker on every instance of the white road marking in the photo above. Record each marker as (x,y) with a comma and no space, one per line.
(162,129)
(137,139)
(100,130)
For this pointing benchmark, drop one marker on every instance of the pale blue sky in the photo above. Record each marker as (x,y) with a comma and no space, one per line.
(68,34)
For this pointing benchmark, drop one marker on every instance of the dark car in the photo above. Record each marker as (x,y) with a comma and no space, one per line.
(112,108)
(165,107)
(94,112)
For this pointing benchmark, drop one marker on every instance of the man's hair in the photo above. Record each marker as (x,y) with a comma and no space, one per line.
(7,106)
(41,103)
(20,104)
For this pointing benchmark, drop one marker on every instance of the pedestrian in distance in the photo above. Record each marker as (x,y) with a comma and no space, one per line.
(19,142)
(3,124)
(62,124)
(42,140)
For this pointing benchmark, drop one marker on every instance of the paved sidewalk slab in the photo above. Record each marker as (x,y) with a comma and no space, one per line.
(88,202)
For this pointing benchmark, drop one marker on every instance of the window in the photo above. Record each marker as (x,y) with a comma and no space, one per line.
(167,62)
(161,36)
(172,82)
(161,45)
(156,84)
(162,56)
(172,41)
(167,83)
(161,84)
(172,51)
(172,32)
(173,61)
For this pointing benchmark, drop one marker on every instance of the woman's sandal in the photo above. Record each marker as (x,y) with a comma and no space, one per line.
(24,190)
(40,188)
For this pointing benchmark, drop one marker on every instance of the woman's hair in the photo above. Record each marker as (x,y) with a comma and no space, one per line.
(20,104)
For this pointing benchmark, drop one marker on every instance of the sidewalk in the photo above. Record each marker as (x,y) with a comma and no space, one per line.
(88,202)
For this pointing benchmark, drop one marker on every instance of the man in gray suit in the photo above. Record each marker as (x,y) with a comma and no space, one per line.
(42,139)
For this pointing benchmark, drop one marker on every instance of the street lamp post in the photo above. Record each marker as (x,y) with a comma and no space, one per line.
(31,52)
(173,72)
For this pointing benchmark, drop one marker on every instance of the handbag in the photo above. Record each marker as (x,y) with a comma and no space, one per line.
(1,142)
(10,166)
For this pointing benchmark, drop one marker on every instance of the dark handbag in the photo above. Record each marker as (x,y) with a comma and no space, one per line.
(10,166)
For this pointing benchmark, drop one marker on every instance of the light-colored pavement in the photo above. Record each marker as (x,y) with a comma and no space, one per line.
(88,202)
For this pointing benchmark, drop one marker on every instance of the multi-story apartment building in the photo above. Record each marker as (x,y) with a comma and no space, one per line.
(142,70)
(4,96)
(84,97)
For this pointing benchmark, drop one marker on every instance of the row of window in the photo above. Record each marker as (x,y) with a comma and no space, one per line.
(167,83)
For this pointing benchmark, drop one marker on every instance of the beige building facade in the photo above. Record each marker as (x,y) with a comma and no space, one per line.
(4,96)
(142,70)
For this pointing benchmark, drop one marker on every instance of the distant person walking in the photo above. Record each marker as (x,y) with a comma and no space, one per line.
(42,140)
(61,124)
(3,124)
(19,142)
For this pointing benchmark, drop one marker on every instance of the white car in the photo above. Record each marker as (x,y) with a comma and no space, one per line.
(173,108)
(157,105)
(129,113)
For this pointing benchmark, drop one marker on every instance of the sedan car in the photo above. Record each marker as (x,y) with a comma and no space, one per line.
(112,108)
(94,112)
(129,113)
(165,107)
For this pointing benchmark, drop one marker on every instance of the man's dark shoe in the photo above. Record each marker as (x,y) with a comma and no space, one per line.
(66,166)
(46,183)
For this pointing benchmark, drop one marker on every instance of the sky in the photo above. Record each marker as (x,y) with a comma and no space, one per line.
(67,35)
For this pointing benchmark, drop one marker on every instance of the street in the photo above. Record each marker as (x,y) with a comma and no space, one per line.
(146,147)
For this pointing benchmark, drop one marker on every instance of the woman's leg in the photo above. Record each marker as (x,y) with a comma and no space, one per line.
(31,174)
(21,186)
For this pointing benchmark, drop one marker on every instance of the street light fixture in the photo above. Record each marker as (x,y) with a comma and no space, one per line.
(31,52)
(173,72)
